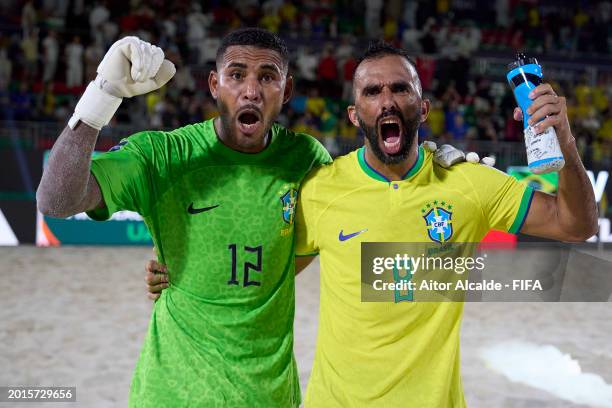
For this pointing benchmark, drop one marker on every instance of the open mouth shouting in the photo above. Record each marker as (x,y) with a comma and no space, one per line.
(390,131)
(249,120)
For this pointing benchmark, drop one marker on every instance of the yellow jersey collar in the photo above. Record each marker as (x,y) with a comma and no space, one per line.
(369,170)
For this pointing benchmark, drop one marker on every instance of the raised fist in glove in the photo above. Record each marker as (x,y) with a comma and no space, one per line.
(130,67)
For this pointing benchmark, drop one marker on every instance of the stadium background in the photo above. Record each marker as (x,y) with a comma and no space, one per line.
(49,51)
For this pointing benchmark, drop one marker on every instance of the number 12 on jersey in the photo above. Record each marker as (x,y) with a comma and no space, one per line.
(248,266)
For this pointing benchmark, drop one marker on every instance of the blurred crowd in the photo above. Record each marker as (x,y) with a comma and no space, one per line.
(49,50)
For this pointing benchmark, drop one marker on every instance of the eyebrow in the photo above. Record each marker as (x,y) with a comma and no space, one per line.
(370,88)
(271,67)
(392,86)
(398,84)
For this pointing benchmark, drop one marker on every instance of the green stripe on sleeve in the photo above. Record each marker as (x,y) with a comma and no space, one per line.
(521,215)
(310,254)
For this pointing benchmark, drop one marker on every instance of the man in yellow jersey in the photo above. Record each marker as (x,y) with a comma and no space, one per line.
(407,354)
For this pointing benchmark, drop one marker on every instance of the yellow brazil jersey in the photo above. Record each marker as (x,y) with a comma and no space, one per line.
(393,354)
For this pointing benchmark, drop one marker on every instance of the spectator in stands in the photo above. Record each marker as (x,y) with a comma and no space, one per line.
(315,105)
(372,17)
(183,80)
(209,47)
(327,72)
(74,63)
(29,48)
(307,124)
(428,39)
(6,66)
(344,50)
(191,34)
(197,24)
(98,17)
(348,70)
(270,20)
(454,121)
(306,63)
(5,100)
(411,40)
(93,55)
(168,31)
(435,119)
(390,29)
(22,102)
(29,18)
(288,13)
(47,101)
(50,56)
(168,112)
(250,11)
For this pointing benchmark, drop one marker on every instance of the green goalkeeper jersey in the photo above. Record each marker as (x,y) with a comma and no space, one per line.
(222,221)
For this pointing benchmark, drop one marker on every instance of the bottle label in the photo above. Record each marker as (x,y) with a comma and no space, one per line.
(543,149)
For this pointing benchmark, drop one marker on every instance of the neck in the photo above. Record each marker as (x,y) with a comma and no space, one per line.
(392,172)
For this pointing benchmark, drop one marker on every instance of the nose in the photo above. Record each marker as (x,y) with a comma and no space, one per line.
(387,100)
(252,90)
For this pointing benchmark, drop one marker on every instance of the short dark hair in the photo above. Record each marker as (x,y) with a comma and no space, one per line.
(379,49)
(256,37)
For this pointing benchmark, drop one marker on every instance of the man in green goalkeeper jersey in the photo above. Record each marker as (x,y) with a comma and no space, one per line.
(219,199)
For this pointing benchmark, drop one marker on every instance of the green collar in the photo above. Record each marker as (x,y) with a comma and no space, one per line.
(367,169)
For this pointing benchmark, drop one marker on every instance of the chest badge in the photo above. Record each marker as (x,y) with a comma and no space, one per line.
(438,218)
(289,200)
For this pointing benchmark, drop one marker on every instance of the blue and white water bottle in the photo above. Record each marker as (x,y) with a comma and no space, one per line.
(543,150)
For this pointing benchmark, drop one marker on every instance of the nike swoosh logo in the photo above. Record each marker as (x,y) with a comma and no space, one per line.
(192,210)
(343,237)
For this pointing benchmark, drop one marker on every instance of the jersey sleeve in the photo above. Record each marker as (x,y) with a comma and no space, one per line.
(322,156)
(504,199)
(305,219)
(125,177)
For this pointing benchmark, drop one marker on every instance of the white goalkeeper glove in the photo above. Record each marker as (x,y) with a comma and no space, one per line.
(130,67)
(447,155)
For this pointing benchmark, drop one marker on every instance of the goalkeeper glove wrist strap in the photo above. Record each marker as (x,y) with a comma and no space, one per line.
(96,107)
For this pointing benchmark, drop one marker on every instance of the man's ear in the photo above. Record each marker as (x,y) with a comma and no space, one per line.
(213,82)
(352,114)
(288,89)
(425,106)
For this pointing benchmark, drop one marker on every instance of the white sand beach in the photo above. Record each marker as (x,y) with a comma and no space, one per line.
(76,316)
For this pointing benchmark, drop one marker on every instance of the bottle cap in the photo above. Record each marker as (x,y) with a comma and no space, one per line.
(521,60)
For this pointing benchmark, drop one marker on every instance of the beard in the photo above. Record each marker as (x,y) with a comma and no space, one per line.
(226,120)
(409,127)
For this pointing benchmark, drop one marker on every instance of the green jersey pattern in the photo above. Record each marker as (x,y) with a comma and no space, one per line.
(222,334)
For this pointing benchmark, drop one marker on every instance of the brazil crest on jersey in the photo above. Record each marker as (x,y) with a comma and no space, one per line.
(403,354)
(222,221)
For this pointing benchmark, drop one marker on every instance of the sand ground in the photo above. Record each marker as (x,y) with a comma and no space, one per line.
(76,316)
